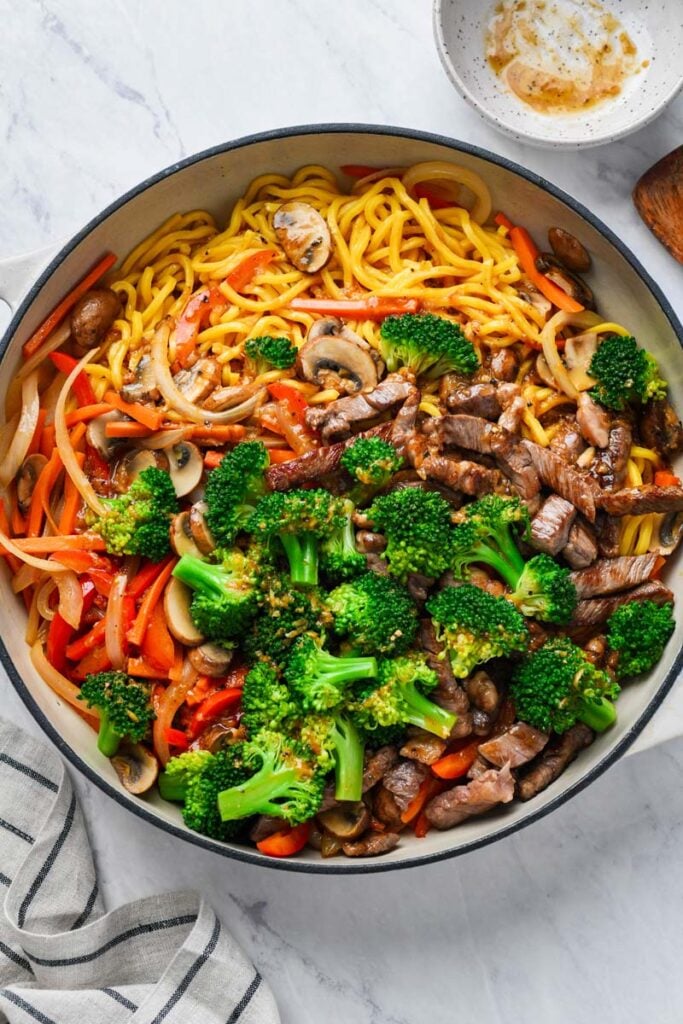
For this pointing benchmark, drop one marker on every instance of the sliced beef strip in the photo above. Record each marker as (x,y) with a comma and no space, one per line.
(593,421)
(485,438)
(609,575)
(595,610)
(516,463)
(386,809)
(607,530)
(575,486)
(403,428)
(551,525)
(567,441)
(660,428)
(418,586)
(517,745)
(511,417)
(317,463)
(503,364)
(336,420)
(611,467)
(423,747)
(483,692)
(478,796)
(448,694)
(581,548)
(478,767)
(372,844)
(377,764)
(460,474)
(369,542)
(553,761)
(475,399)
(462,431)
(637,500)
(404,780)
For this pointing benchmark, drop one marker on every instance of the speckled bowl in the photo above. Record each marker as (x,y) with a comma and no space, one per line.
(655,27)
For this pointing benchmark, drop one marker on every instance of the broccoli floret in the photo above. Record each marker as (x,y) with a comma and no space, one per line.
(484,533)
(428,345)
(545,591)
(137,522)
(337,743)
(397,698)
(222,770)
(474,626)
(339,557)
(376,614)
(286,614)
(124,707)
(284,780)
(417,527)
(371,462)
(300,519)
(268,353)
(320,678)
(557,686)
(234,488)
(266,702)
(624,373)
(639,632)
(179,772)
(225,597)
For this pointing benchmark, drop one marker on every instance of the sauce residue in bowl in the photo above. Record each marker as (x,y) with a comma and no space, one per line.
(560,56)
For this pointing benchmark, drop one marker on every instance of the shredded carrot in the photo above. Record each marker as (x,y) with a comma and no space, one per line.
(157,645)
(46,545)
(665,478)
(144,669)
(149,417)
(87,412)
(245,271)
(17,520)
(77,435)
(41,494)
(372,307)
(281,455)
(503,222)
(213,459)
(72,501)
(34,446)
(47,441)
(93,638)
(126,428)
(226,433)
(145,578)
(66,305)
(660,562)
(137,631)
(12,561)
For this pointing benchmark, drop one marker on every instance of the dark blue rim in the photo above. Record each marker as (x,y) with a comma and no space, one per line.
(321,866)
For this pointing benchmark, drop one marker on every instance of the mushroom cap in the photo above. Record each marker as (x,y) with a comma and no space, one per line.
(211,659)
(27,477)
(177,598)
(136,767)
(304,235)
(181,538)
(347,820)
(334,355)
(186,466)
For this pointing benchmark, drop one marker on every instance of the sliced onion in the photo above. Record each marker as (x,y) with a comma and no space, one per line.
(70,598)
(296,436)
(175,398)
(170,701)
(43,596)
(552,356)
(67,454)
(58,338)
(442,171)
(59,683)
(25,577)
(164,438)
(38,563)
(114,625)
(26,428)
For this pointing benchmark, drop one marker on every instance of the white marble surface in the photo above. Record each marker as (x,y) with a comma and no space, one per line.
(578,918)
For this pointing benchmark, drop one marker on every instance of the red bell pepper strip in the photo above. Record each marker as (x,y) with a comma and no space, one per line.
(145,577)
(60,632)
(665,478)
(373,307)
(177,738)
(358,170)
(195,315)
(79,648)
(81,387)
(503,222)
(293,399)
(527,251)
(455,765)
(157,644)
(250,266)
(212,708)
(96,660)
(287,842)
(436,201)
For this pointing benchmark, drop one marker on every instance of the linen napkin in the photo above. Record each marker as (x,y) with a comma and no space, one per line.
(63,960)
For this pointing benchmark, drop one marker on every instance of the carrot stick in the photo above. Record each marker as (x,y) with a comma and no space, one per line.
(145,578)
(77,435)
(503,222)
(373,307)
(144,669)
(151,418)
(34,446)
(213,459)
(79,648)
(126,428)
(665,478)
(137,631)
(71,542)
(526,250)
(158,648)
(226,433)
(281,455)
(243,273)
(72,501)
(47,441)
(12,561)
(17,520)
(68,302)
(41,493)
(87,412)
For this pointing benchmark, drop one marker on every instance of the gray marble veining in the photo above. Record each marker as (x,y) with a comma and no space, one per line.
(576,919)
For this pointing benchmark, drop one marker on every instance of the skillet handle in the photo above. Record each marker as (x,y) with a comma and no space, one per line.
(17,273)
(667,723)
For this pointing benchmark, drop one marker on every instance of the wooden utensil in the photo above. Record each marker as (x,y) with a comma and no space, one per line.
(658,197)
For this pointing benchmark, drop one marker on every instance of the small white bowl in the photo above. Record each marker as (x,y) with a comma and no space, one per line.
(655,26)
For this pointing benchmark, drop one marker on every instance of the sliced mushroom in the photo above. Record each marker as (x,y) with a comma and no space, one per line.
(26,480)
(97,439)
(185,466)
(543,371)
(347,820)
(211,660)
(229,397)
(569,250)
(570,283)
(136,767)
(181,538)
(670,533)
(578,354)
(197,382)
(304,235)
(143,388)
(134,463)
(335,356)
(93,315)
(201,534)
(536,299)
(177,610)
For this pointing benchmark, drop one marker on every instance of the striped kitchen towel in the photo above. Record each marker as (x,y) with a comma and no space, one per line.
(63,960)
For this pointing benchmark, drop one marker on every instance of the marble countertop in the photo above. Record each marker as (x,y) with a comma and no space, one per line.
(577,918)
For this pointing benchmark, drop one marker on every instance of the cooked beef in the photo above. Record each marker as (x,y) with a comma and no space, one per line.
(581,548)
(553,761)
(637,500)
(371,844)
(551,525)
(411,478)
(403,428)
(511,417)
(369,542)
(575,486)
(485,438)
(448,694)
(595,610)
(317,463)
(471,432)
(419,586)
(483,692)
(660,427)
(519,744)
(329,799)
(567,441)
(475,399)
(377,765)
(481,795)
(516,463)
(607,533)
(482,722)
(595,650)
(611,466)
(503,364)
(609,575)
(404,780)
(337,420)
(375,563)
(423,747)
(593,421)
(478,767)
(459,474)
(264,826)
(386,809)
